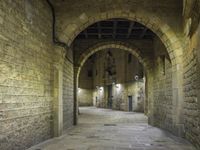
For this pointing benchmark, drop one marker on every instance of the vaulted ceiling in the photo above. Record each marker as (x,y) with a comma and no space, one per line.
(116,29)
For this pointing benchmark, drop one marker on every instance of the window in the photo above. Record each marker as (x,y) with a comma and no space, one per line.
(129,58)
(163,64)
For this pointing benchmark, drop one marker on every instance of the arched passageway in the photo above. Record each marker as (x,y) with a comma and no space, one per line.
(45,44)
(123,67)
(172,121)
(160,28)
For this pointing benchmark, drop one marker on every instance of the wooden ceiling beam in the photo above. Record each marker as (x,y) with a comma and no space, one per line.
(86,34)
(143,33)
(99,30)
(114,29)
(130,29)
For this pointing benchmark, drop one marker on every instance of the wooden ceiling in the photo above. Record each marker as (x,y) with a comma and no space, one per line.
(116,29)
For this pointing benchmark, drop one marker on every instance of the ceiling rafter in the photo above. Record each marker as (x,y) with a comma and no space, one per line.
(99,30)
(143,33)
(130,29)
(85,33)
(116,29)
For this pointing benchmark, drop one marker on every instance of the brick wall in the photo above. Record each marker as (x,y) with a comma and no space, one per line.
(25,74)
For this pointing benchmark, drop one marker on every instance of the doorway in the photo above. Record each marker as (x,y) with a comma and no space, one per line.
(130,103)
(110,96)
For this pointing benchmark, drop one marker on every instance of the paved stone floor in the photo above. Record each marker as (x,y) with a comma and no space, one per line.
(104,129)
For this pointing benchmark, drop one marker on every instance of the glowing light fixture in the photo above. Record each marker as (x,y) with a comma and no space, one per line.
(117,85)
(136,77)
(101,88)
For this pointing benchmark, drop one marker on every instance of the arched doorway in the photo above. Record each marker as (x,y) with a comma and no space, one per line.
(131,49)
(165,35)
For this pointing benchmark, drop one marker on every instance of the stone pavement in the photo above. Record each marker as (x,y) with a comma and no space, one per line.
(104,129)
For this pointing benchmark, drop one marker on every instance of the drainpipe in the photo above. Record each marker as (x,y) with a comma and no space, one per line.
(54,38)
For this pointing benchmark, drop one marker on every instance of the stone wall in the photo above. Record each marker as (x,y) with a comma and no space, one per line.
(137,91)
(125,67)
(27,90)
(162,87)
(26,73)
(85,97)
(86,75)
(162,94)
(191,89)
(74,16)
(121,92)
(145,46)
(100,97)
(68,94)
(85,85)
(191,86)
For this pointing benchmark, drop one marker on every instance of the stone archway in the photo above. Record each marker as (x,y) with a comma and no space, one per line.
(145,61)
(160,28)
(106,45)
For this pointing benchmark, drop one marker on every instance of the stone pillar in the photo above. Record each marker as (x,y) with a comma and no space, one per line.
(177,99)
(149,103)
(146,105)
(58,94)
(76,75)
(198,81)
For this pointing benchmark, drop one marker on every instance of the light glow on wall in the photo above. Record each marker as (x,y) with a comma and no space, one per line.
(101,88)
(118,87)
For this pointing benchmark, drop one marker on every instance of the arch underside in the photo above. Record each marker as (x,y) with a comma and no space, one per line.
(115,45)
(162,30)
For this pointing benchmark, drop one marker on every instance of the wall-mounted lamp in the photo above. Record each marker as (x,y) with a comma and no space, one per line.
(136,77)
(117,85)
(101,88)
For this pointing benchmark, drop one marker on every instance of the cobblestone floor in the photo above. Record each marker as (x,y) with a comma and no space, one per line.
(104,129)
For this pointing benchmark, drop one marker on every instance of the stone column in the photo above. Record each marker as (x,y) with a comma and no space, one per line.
(149,103)
(177,100)
(76,74)
(198,81)
(58,94)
